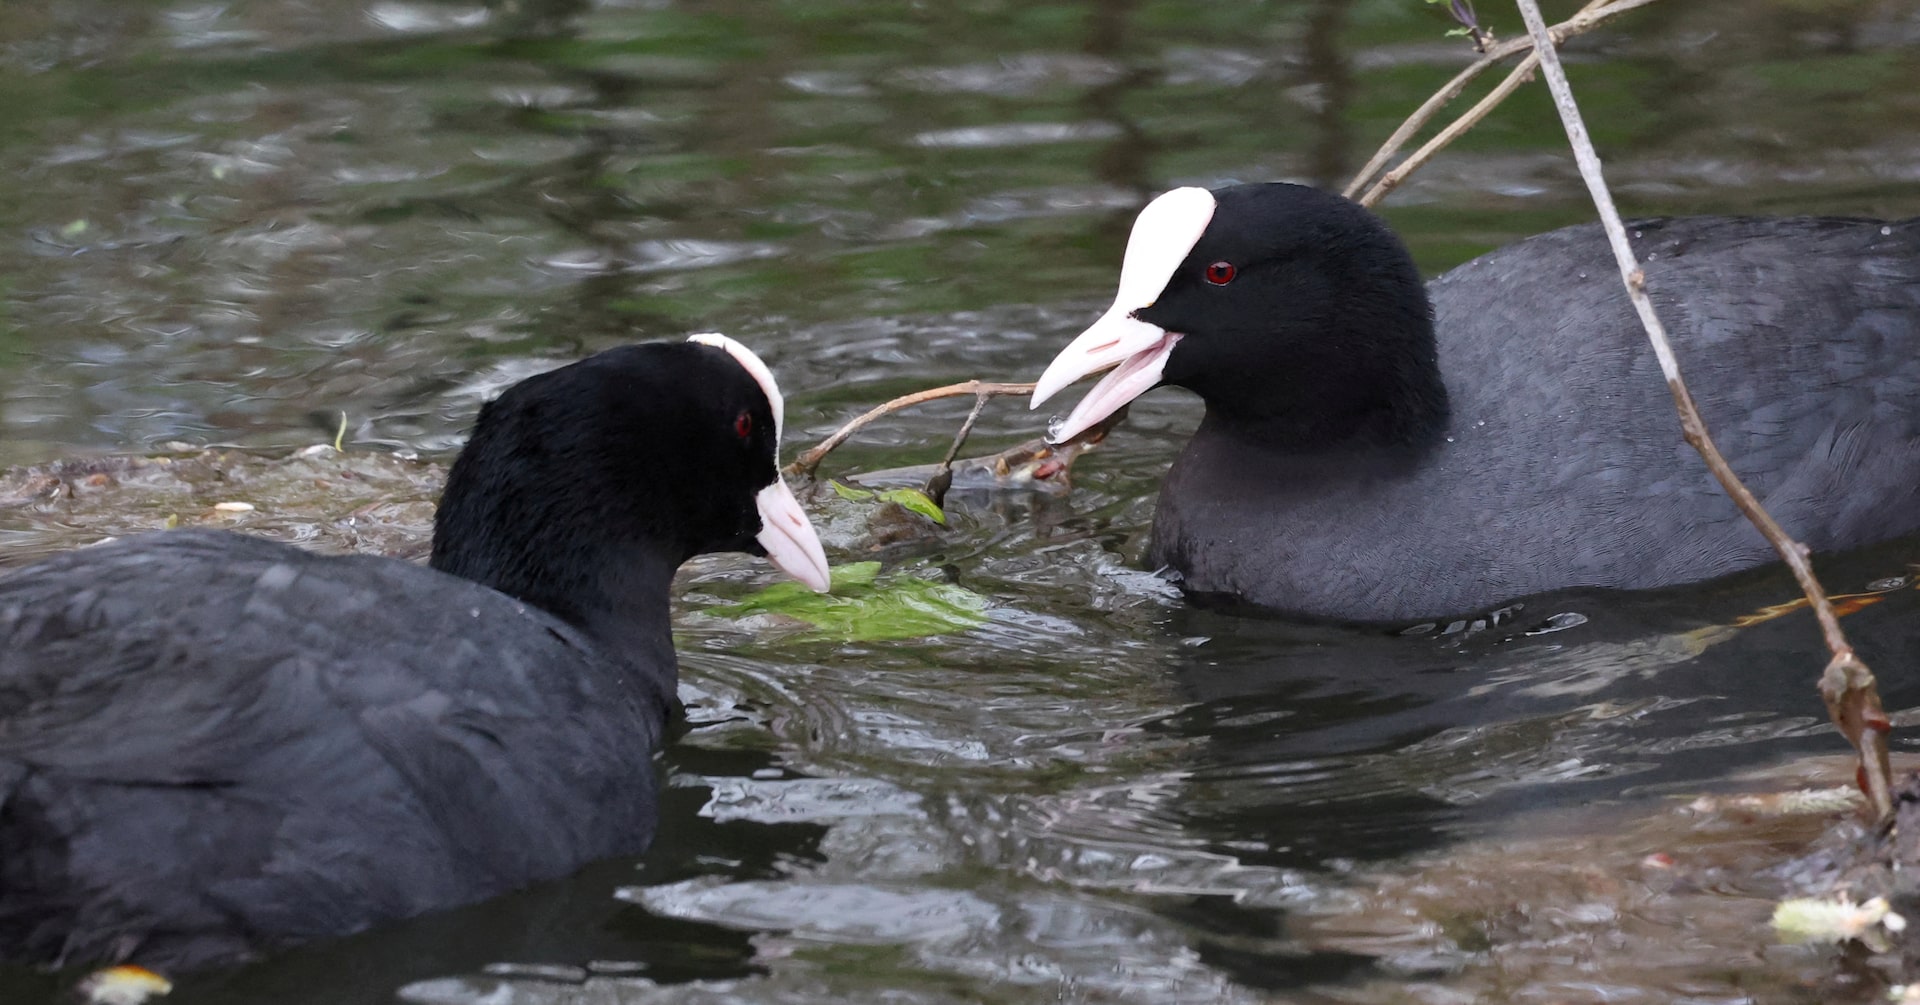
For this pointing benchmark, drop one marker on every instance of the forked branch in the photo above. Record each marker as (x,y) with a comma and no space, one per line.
(1594,14)
(809,460)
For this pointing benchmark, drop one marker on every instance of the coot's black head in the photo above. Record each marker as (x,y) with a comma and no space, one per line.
(1295,314)
(636,458)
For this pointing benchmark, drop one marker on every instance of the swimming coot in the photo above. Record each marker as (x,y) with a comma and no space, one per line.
(213,745)
(1373,450)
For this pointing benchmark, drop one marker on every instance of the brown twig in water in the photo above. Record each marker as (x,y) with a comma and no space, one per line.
(1591,16)
(1847,685)
(809,460)
(942,478)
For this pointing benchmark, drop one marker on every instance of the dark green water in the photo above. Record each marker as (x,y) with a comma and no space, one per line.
(230,223)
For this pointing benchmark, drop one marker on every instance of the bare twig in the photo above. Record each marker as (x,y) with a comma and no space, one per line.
(1847,685)
(809,460)
(1034,465)
(1392,179)
(1591,16)
(942,478)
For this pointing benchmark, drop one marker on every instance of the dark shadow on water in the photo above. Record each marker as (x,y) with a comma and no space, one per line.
(1329,745)
(1328,742)
(1283,970)
(1250,945)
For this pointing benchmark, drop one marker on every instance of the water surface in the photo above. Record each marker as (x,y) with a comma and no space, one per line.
(264,224)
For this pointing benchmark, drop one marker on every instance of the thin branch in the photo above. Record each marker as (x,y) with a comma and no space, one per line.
(1591,16)
(1847,685)
(942,478)
(1035,464)
(1392,179)
(809,460)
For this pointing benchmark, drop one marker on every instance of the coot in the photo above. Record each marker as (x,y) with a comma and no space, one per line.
(212,745)
(1373,450)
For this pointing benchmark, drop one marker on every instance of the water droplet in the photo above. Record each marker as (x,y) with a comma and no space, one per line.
(1560,623)
(1886,231)
(1054,425)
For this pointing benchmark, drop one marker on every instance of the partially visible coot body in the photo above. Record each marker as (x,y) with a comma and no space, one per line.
(1373,450)
(213,745)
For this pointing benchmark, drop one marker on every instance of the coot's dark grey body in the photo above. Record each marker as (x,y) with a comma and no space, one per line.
(1361,458)
(1561,463)
(348,755)
(214,745)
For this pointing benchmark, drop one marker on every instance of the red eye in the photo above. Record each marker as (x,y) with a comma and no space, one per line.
(743,426)
(1221,273)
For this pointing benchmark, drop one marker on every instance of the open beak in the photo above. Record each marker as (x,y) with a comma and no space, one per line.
(788,537)
(1140,351)
(1165,231)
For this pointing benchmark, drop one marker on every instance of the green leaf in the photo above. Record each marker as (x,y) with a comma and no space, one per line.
(917,501)
(862,609)
(849,493)
(842,578)
(912,499)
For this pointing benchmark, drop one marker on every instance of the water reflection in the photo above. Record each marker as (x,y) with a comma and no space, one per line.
(236,223)
(1394,743)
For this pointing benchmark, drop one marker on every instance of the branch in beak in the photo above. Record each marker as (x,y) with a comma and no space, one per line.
(1140,349)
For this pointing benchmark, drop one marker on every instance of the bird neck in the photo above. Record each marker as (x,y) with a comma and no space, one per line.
(626,604)
(1338,403)
(618,593)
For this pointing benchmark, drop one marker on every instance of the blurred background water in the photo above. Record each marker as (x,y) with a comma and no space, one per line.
(247,223)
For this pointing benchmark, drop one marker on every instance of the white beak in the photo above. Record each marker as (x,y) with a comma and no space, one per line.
(1139,348)
(1164,232)
(792,546)
(786,534)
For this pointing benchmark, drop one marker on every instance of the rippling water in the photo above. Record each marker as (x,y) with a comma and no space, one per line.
(246,224)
